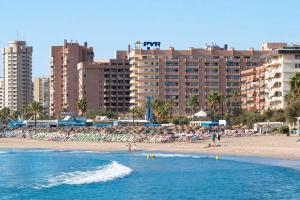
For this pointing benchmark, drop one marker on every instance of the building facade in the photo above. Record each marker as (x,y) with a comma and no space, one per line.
(282,65)
(105,84)
(1,93)
(64,75)
(180,74)
(265,87)
(17,71)
(253,88)
(41,92)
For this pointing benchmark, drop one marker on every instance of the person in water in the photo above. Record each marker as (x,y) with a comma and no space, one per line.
(129,147)
(134,148)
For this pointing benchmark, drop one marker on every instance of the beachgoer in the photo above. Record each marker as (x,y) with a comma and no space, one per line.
(213,138)
(129,147)
(134,148)
(219,136)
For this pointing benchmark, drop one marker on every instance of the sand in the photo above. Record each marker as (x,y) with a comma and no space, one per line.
(282,147)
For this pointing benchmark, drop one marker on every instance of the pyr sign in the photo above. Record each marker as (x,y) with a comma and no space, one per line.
(151,44)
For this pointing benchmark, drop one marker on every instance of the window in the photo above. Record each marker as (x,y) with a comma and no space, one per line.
(297,56)
(297,65)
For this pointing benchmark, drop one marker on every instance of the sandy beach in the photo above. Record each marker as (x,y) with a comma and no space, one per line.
(282,147)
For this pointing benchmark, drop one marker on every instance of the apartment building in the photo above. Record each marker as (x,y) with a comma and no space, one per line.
(41,92)
(1,93)
(180,74)
(253,88)
(17,71)
(282,65)
(265,87)
(105,84)
(64,75)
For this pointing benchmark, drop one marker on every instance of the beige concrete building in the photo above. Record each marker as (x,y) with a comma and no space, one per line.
(41,92)
(64,75)
(265,87)
(105,84)
(17,71)
(282,65)
(253,88)
(1,93)
(180,74)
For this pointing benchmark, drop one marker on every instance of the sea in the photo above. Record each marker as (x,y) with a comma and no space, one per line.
(40,174)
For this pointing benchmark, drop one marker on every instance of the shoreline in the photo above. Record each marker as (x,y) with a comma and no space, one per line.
(280,147)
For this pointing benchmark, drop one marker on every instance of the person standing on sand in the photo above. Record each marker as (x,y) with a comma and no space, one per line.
(213,138)
(219,136)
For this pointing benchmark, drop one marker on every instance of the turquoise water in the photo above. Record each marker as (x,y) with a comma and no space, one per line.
(46,174)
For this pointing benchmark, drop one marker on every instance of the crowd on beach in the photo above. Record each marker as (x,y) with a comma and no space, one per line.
(157,134)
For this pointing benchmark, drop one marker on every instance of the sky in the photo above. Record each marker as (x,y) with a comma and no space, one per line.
(110,25)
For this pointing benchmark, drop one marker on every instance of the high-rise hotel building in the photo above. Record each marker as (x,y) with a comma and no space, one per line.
(64,75)
(180,74)
(105,84)
(17,72)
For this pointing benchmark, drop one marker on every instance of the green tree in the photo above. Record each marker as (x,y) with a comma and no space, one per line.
(82,106)
(193,104)
(214,99)
(137,112)
(160,110)
(294,93)
(16,114)
(169,104)
(292,111)
(4,113)
(35,109)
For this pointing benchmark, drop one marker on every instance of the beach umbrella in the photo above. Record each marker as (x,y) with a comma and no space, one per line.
(201,113)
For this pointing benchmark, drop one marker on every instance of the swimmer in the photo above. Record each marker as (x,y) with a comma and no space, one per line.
(129,147)
(134,148)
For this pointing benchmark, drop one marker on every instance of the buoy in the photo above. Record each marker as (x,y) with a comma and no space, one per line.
(217,157)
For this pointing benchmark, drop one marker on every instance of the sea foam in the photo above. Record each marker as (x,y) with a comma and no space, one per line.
(105,173)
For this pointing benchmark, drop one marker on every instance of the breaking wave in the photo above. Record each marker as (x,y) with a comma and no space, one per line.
(105,173)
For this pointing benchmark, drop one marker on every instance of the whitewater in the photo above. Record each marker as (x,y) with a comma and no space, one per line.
(105,173)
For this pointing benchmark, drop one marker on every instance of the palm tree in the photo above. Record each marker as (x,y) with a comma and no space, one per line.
(213,99)
(294,93)
(16,114)
(295,84)
(137,112)
(5,112)
(82,106)
(35,109)
(193,103)
(169,107)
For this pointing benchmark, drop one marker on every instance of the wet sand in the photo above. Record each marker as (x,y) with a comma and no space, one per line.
(282,147)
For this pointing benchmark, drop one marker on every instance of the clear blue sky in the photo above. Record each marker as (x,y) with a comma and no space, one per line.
(110,25)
